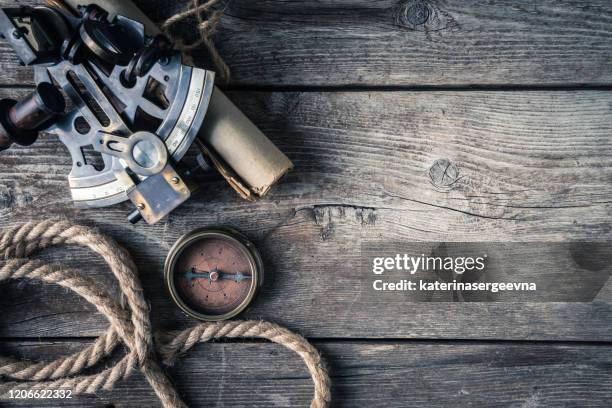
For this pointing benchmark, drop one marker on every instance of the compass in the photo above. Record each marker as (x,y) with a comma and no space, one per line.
(213,274)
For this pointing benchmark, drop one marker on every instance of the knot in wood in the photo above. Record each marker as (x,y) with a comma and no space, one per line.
(412,14)
(443,173)
(417,14)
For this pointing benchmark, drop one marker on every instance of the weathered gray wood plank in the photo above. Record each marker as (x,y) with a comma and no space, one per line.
(365,42)
(404,375)
(533,166)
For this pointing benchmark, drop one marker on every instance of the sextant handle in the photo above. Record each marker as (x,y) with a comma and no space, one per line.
(21,121)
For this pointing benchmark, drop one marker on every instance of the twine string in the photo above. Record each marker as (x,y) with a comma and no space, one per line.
(128,319)
(207,16)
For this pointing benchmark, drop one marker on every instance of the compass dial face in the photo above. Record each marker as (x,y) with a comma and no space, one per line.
(214,275)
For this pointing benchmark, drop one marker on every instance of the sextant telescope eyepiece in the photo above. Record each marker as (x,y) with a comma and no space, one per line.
(21,121)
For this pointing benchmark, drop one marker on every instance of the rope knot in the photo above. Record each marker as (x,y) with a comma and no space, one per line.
(207,18)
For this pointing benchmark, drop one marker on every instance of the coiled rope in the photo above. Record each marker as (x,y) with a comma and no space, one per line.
(128,318)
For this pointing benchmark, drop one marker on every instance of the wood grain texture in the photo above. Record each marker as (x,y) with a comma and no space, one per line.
(374,42)
(531,166)
(412,374)
(392,165)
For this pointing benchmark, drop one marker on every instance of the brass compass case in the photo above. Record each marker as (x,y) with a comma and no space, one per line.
(213,274)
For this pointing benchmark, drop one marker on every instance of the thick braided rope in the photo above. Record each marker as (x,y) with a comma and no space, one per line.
(128,318)
(207,18)
(134,328)
(176,343)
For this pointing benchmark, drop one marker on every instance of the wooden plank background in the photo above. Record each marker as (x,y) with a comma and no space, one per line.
(279,43)
(362,172)
(370,374)
(516,96)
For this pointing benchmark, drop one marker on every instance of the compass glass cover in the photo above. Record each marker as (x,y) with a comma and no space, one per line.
(214,276)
